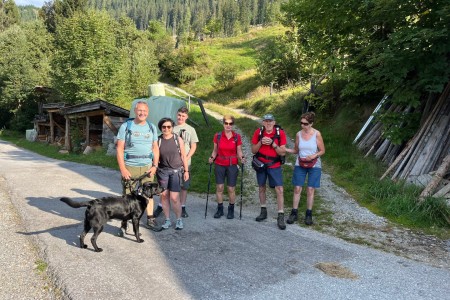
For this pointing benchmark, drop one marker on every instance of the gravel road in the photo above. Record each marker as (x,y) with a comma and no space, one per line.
(209,259)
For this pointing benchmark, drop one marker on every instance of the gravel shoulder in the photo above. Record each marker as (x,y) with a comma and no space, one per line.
(355,223)
(19,257)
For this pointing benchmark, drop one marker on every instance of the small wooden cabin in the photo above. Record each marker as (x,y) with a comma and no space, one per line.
(96,123)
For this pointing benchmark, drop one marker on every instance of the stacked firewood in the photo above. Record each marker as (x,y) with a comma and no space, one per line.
(423,160)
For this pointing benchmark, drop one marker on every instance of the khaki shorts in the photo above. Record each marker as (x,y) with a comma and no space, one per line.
(136,172)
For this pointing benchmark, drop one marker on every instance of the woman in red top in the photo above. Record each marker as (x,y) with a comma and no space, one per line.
(227,150)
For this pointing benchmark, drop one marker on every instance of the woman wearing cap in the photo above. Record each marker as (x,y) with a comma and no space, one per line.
(227,150)
(172,167)
(309,147)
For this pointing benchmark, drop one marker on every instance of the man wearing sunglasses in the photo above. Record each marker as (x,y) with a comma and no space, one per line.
(137,152)
(268,147)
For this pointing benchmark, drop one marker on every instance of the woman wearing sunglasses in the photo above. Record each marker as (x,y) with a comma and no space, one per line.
(172,169)
(227,150)
(309,147)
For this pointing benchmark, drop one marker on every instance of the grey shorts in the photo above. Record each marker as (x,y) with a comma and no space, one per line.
(170,179)
(229,172)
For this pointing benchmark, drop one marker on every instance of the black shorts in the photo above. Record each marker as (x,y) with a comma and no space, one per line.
(229,172)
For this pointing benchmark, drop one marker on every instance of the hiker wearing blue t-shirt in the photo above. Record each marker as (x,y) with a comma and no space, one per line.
(137,150)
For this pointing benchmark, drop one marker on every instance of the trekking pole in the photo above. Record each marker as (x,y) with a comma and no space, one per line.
(207,194)
(242,188)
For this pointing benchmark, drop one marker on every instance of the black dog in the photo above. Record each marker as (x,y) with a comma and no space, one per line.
(99,211)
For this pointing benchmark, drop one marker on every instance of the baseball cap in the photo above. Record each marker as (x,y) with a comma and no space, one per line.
(268,117)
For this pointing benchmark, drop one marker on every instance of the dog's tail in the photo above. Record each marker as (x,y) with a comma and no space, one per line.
(75,204)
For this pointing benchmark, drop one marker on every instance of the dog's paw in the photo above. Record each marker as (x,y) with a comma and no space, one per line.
(99,250)
(83,246)
(140,241)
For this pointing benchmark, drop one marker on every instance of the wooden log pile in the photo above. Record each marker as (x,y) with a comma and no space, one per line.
(425,159)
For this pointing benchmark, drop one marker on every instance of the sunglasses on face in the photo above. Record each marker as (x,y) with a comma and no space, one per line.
(228,123)
(166,126)
(306,124)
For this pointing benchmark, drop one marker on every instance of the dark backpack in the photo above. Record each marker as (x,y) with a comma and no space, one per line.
(275,159)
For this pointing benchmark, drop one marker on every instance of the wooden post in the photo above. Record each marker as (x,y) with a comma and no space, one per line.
(52,128)
(67,135)
(87,131)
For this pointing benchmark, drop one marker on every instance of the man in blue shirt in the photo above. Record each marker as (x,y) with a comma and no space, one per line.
(138,152)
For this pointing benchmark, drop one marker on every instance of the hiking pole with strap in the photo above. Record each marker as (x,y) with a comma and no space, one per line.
(207,194)
(242,188)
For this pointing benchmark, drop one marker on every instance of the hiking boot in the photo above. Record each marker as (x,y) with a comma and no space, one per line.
(153,225)
(166,224)
(293,217)
(179,224)
(280,221)
(262,215)
(219,212)
(308,220)
(184,214)
(230,212)
(121,232)
(157,211)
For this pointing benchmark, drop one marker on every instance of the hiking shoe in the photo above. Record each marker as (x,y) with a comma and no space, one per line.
(157,211)
(308,220)
(184,214)
(262,215)
(121,232)
(219,212)
(293,217)
(230,214)
(280,221)
(153,225)
(179,224)
(166,224)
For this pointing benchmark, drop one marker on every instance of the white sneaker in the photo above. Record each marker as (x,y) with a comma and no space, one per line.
(166,224)
(179,224)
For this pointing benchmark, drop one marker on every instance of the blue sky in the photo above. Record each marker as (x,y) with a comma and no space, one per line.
(37,3)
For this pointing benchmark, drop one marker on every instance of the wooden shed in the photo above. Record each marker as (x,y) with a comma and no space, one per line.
(94,124)
(49,124)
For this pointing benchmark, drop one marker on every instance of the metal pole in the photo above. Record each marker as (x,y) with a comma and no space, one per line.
(207,194)
(242,189)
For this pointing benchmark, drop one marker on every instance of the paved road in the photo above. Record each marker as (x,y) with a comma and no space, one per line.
(209,259)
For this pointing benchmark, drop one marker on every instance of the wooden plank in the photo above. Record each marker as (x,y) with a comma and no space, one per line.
(443,191)
(110,124)
(443,169)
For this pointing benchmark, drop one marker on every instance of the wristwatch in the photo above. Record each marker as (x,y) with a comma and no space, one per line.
(276,146)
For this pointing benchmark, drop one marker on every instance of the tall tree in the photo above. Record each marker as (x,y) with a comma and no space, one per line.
(397,48)
(25,54)
(86,59)
(9,14)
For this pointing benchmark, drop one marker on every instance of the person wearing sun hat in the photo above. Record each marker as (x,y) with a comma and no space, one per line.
(269,146)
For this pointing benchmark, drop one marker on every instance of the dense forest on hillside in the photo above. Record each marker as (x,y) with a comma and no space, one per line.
(195,17)
(341,52)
